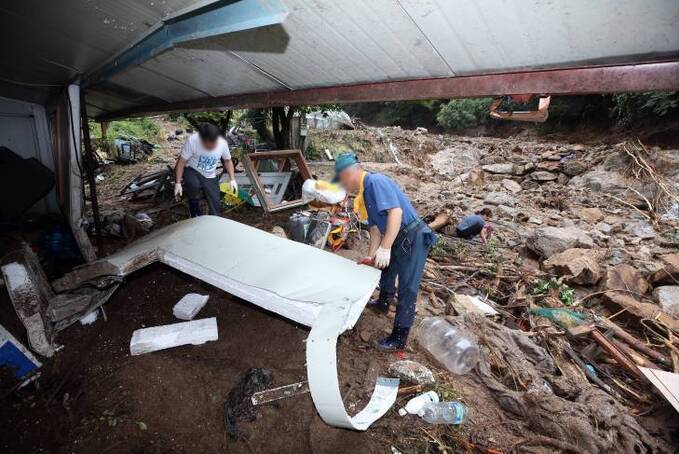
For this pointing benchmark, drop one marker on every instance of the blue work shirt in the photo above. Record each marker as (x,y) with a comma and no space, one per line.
(381,194)
(470,226)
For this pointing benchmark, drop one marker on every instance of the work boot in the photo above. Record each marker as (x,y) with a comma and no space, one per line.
(381,304)
(395,341)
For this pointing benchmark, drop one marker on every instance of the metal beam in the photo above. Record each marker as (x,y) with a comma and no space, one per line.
(224,16)
(586,80)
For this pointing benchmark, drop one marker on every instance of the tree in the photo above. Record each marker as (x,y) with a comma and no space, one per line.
(281,122)
(221,119)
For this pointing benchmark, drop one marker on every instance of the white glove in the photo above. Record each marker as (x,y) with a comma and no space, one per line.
(234,186)
(382,257)
(178,191)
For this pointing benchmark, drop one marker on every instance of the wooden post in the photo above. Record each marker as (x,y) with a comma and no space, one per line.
(104,139)
(90,166)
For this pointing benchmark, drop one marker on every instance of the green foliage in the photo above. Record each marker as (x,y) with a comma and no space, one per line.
(140,128)
(542,287)
(406,114)
(631,107)
(444,248)
(465,113)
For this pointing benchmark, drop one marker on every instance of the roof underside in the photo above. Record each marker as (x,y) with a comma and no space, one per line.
(321,43)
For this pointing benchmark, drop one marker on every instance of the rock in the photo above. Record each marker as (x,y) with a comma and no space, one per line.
(604,228)
(574,168)
(279,231)
(499,198)
(542,176)
(536,221)
(669,272)
(547,241)
(600,180)
(511,185)
(505,211)
(668,298)
(505,168)
(591,215)
(412,372)
(455,161)
(667,161)
(632,286)
(364,334)
(626,277)
(563,179)
(581,264)
(640,229)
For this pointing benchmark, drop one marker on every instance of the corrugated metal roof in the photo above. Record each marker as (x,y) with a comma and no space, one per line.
(325,43)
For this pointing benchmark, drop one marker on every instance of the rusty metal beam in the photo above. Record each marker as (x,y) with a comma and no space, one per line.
(587,80)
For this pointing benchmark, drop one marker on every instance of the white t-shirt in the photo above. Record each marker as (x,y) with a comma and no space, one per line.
(203,160)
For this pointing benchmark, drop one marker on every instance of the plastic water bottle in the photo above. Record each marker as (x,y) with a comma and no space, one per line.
(416,404)
(448,344)
(453,412)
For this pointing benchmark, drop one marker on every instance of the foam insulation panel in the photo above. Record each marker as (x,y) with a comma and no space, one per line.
(315,288)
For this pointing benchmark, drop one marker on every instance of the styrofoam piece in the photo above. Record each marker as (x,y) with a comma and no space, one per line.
(307,285)
(666,382)
(465,304)
(156,338)
(189,306)
(90,318)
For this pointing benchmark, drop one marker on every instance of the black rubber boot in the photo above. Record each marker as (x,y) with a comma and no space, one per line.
(380,305)
(395,341)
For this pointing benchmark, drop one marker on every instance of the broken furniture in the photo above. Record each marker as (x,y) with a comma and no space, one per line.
(149,184)
(323,291)
(274,183)
(42,311)
(252,163)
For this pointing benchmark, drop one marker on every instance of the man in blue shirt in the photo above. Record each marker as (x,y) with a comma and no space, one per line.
(475,224)
(399,242)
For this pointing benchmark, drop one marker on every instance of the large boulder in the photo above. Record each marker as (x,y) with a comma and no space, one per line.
(547,241)
(600,180)
(580,265)
(668,298)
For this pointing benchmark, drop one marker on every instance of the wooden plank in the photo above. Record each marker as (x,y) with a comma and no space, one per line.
(256,184)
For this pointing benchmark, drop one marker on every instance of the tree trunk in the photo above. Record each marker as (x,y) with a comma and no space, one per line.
(281,120)
(224,122)
(258,121)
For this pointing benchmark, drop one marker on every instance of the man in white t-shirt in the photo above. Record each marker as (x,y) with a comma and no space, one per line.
(197,169)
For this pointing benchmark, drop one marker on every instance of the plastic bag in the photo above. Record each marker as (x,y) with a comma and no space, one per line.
(322,191)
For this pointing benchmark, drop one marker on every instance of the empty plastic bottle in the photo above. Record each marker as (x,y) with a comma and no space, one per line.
(453,412)
(448,344)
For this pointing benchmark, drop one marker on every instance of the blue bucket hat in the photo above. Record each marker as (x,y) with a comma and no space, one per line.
(344,161)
